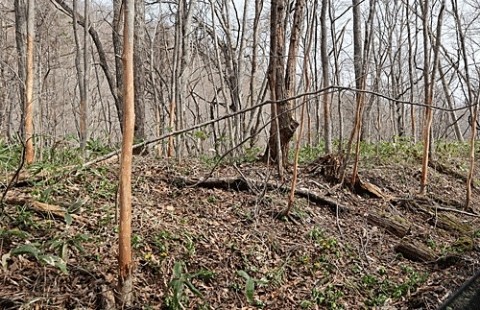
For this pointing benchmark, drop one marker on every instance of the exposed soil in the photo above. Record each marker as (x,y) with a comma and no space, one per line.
(230,247)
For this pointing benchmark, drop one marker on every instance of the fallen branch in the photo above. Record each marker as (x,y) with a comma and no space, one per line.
(244,184)
(40,207)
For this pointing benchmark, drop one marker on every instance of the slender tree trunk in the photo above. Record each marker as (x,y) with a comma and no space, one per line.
(448,98)
(29,150)
(327,127)
(117,28)
(473,99)
(429,87)
(20,38)
(125,263)
(253,70)
(470,176)
(306,78)
(3,90)
(410,72)
(114,90)
(139,57)
(81,76)
(360,62)
(86,74)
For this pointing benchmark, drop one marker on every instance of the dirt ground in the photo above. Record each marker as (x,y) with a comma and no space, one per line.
(226,244)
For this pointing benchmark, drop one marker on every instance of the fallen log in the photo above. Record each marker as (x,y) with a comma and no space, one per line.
(415,251)
(246,184)
(393,227)
(14,198)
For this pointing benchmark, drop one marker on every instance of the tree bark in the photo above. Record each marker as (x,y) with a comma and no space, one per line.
(139,61)
(29,150)
(429,87)
(327,126)
(117,28)
(125,263)
(284,125)
(20,37)
(81,59)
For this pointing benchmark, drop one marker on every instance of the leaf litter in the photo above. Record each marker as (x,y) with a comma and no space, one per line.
(222,248)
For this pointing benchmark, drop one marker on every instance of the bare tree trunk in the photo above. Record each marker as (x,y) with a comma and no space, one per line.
(3,89)
(327,127)
(20,37)
(29,150)
(360,62)
(86,74)
(410,72)
(138,57)
(473,99)
(448,98)
(117,28)
(253,71)
(284,125)
(306,78)
(470,176)
(115,91)
(429,87)
(81,75)
(125,263)
(181,56)
(337,43)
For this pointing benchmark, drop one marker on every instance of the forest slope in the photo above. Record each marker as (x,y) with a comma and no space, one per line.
(221,245)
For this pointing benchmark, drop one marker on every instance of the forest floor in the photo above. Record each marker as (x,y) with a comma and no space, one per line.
(222,243)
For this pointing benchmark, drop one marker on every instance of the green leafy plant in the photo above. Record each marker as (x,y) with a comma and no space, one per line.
(328,297)
(65,245)
(189,244)
(98,147)
(32,250)
(177,299)
(250,288)
(10,154)
(200,134)
(319,237)
(380,289)
(24,219)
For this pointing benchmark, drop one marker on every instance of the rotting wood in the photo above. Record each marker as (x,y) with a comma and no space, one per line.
(372,189)
(415,251)
(14,198)
(393,227)
(244,184)
(451,223)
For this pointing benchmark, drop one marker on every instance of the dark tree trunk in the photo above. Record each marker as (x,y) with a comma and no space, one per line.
(139,73)
(281,81)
